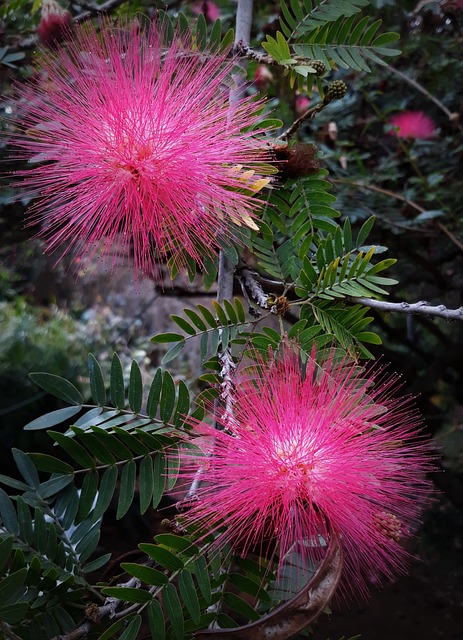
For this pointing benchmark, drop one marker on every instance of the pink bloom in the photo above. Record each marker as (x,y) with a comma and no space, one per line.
(208,8)
(135,146)
(301,104)
(262,77)
(412,124)
(55,23)
(304,450)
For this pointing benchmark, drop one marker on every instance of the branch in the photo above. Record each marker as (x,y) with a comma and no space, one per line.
(420,308)
(242,49)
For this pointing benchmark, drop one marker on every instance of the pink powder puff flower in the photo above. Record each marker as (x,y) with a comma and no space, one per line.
(412,124)
(135,145)
(302,450)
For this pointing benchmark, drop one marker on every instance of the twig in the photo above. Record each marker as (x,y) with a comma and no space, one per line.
(310,113)
(249,283)
(420,308)
(242,49)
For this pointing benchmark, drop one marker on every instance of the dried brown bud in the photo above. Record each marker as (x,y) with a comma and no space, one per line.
(297,160)
(55,24)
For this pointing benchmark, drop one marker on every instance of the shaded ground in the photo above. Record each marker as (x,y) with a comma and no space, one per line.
(427,604)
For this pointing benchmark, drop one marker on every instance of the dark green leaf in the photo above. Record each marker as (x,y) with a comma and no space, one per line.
(145,574)
(131,633)
(40,531)
(74,449)
(188,593)
(87,494)
(26,467)
(10,585)
(14,613)
(54,485)
(58,387)
(167,397)
(106,491)
(97,385)
(156,620)
(159,479)
(183,324)
(146,482)
(96,564)
(6,547)
(127,594)
(88,544)
(202,576)
(240,606)
(162,556)
(127,489)
(8,513)
(135,388)
(168,337)
(174,610)
(154,394)
(116,383)
(365,231)
(44,462)
(177,543)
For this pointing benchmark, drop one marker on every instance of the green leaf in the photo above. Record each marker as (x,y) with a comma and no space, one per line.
(240,606)
(54,485)
(207,315)
(145,574)
(154,394)
(183,324)
(8,513)
(145,483)
(162,556)
(127,594)
(127,489)
(156,620)
(159,479)
(58,387)
(106,491)
(26,467)
(202,576)
(116,383)
(88,544)
(131,633)
(188,593)
(6,547)
(177,543)
(173,352)
(75,450)
(40,531)
(167,397)
(50,464)
(97,385)
(174,610)
(96,564)
(10,585)
(14,613)
(135,388)
(167,337)
(365,231)
(52,419)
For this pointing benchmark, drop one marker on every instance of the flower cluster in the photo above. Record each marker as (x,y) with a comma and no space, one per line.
(136,147)
(304,454)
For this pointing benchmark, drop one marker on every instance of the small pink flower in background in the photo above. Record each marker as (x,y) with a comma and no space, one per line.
(301,104)
(208,8)
(134,147)
(262,77)
(304,450)
(412,124)
(55,23)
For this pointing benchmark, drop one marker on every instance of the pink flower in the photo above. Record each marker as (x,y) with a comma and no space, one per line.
(55,23)
(208,8)
(412,124)
(301,104)
(302,450)
(135,146)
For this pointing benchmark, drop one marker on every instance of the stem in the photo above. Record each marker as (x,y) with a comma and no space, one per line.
(242,37)
(420,308)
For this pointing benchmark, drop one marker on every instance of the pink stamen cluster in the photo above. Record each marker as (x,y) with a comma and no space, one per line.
(303,453)
(412,124)
(134,146)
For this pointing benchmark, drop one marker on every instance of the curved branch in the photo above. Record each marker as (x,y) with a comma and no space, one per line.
(297,613)
(421,308)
